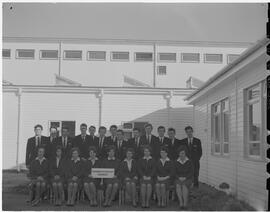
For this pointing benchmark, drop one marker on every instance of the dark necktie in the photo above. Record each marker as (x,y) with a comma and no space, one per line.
(39,143)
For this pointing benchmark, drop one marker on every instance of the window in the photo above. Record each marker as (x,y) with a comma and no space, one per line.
(6,53)
(167,57)
(255,123)
(220,127)
(232,57)
(25,54)
(161,70)
(213,58)
(120,56)
(97,55)
(143,56)
(60,124)
(49,54)
(190,57)
(73,55)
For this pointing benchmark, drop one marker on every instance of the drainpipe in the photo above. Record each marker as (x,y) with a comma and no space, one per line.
(100,101)
(168,98)
(59,58)
(19,94)
(154,65)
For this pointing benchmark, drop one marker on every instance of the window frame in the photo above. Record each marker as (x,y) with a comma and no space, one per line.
(158,73)
(220,114)
(60,125)
(91,59)
(9,54)
(25,58)
(212,62)
(135,57)
(166,61)
(119,60)
(76,59)
(262,105)
(190,61)
(43,58)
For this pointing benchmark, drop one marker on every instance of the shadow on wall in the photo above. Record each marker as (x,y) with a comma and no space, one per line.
(177,118)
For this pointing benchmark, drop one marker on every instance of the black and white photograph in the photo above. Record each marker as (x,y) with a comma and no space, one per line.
(134,106)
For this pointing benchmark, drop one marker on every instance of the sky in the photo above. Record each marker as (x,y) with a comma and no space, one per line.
(221,22)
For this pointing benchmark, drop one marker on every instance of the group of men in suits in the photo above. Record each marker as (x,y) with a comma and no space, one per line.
(116,138)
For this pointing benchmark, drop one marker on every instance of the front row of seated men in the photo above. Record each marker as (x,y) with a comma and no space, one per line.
(145,161)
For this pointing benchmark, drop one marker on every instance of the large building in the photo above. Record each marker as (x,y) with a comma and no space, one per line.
(101,82)
(230,119)
(113,63)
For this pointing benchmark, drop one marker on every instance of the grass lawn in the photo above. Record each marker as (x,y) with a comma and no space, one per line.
(15,194)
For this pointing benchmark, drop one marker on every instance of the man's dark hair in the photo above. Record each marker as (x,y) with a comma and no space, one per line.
(83,125)
(102,128)
(38,125)
(148,125)
(188,128)
(171,129)
(121,131)
(113,126)
(92,126)
(136,129)
(161,127)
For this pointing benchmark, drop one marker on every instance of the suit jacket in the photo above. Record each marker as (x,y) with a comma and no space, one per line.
(66,150)
(138,153)
(94,141)
(125,172)
(121,152)
(147,167)
(173,151)
(60,170)
(194,150)
(166,143)
(37,169)
(166,170)
(154,144)
(74,169)
(31,149)
(102,150)
(82,145)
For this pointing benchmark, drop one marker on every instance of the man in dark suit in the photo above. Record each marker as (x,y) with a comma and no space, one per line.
(121,145)
(102,143)
(65,142)
(194,152)
(93,139)
(51,147)
(33,143)
(136,144)
(163,140)
(112,138)
(150,139)
(82,141)
(175,144)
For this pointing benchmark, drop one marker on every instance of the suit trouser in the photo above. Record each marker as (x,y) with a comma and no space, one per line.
(196,165)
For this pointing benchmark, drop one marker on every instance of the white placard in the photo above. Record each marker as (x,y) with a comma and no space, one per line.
(102,173)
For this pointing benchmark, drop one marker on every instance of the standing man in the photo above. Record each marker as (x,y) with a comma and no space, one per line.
(51,148)
(121,145)
(136,143)
(149,139)
(194,153)
(112,138)
(163,140)
(65,142)
(93,139)
(33,143)
(82,141)
(175,144)
(102,143)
